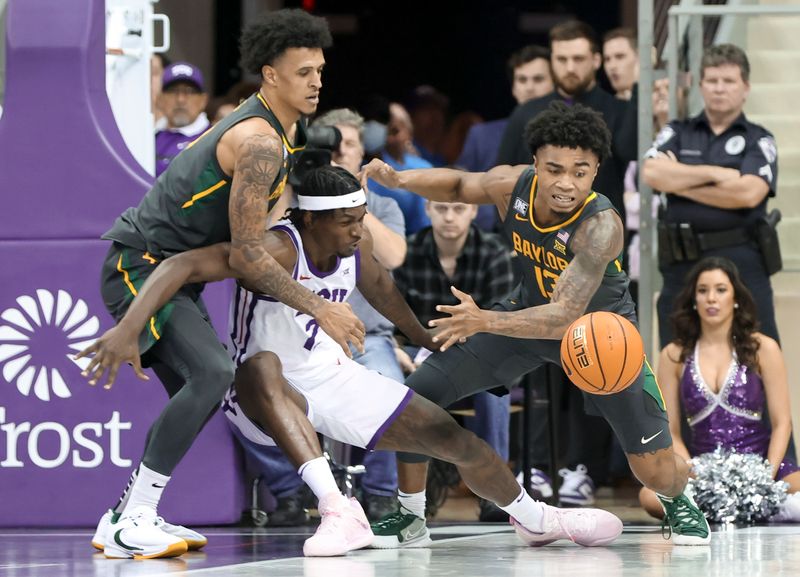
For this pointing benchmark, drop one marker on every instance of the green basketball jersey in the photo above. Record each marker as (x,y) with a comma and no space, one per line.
(188,205)
(544,251)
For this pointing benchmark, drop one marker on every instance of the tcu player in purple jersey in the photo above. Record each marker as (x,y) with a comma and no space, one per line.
(326,247)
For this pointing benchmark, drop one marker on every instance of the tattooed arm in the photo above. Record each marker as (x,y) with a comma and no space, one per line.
(597,242)
(258,160)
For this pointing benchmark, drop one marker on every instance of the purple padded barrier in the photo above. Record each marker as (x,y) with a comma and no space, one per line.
(66,448)
(66,170)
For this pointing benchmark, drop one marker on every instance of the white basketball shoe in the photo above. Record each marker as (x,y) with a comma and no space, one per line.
(136,536)
(194,540)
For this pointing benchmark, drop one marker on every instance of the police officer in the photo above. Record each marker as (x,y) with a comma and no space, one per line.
(717,170)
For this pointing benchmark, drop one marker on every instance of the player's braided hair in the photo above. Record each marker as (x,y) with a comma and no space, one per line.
(573,126)
(271,35)
(323,181)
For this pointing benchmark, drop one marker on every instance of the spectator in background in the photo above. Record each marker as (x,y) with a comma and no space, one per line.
(183,100)
(717,170)
(454,252)
(529,72)
(399,153)
(621,61)
(428,109)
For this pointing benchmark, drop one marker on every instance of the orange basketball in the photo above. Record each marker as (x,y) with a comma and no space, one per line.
(602,353)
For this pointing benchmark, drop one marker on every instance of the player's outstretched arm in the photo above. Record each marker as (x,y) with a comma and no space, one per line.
(446,184)
(120,344)
(258,159)
(597,242)
(380,291)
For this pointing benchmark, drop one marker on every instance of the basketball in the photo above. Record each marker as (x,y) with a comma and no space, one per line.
(602,353)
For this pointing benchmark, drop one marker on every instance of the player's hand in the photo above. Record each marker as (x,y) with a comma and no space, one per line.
(380,172)
(341,324)
(114,347)
(465,319)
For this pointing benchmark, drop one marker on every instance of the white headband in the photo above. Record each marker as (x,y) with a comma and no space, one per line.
(351,200)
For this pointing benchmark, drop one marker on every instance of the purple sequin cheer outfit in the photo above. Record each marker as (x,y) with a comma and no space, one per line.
(730,418)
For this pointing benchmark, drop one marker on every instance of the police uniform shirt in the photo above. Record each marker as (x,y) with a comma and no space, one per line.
(747,147)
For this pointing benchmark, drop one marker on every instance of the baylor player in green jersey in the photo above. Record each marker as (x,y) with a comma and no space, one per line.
(570,240)
(219,189)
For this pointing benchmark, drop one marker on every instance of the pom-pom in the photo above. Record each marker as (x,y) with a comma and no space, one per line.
(731,487)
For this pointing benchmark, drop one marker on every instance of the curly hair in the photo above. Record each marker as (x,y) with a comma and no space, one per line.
(686,321)
(323,181)
(270,36)
(573,126)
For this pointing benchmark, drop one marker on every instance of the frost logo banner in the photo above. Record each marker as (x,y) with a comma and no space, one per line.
(38,339)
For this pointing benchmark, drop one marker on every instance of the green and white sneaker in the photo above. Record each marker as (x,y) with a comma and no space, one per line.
(687,524)
(400,529)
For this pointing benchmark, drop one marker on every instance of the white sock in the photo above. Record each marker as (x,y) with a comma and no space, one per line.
(414,502)
(526,511)
(317,475)
(147,489)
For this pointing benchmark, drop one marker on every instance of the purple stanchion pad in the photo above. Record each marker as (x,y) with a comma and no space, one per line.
(66,448)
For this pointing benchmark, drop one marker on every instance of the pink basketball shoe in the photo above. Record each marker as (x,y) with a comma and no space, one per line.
(587,527)
(344,527)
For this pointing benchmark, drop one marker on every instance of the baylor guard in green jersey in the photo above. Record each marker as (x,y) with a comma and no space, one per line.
(570,240)
(545,251)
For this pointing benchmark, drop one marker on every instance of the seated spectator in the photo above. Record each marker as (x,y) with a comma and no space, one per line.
(399,153)
(183,100)
(724,373)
